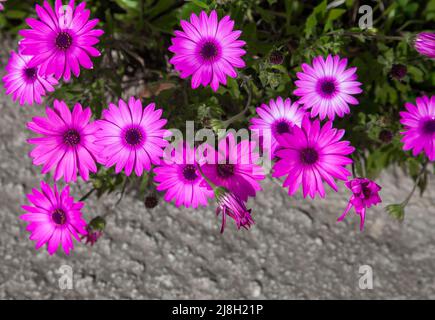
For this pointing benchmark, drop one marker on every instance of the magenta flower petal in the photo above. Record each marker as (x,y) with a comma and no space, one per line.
(1,5)
(425,44)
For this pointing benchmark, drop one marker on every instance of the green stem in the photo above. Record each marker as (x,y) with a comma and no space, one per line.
(241,114)
(87,195)
(417,181)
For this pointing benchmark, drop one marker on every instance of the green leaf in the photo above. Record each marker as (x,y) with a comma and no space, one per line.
(333,15)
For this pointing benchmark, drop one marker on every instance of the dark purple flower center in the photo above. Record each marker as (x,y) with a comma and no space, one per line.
(282,127)
(429,126)
(225,170)
(327,87)
(309,156)
(366,190)
(209,51)
(71,137)
(133,136)
(30,73)
(59,217)
(189,172)
(63,40)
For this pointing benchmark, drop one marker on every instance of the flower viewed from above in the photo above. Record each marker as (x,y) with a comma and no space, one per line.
(54,218)
(61,40)
(181,179)
(207,50)
(24,83)
(234,167)
(327,87)
(66,145)
(425,44)
(419,123)
(365,193)
(1,5)
(131,136)
(310,155)
(277,118)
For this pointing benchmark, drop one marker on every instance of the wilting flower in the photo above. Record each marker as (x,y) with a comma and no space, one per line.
(207,50)
(66,145)
(234,167)
(419,122)
(131,137)
(181,179)
(54,218)
(24,82)
(94,230)
(1,5)
(365,193)
(310,155)
(277,118)
(425,44)
(327,87)
(61,40)
(398,71)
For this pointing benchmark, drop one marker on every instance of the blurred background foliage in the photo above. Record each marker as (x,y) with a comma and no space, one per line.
(280,35)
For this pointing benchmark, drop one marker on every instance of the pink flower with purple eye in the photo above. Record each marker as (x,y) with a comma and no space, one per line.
(425,44)
(277,118)
(365,193)
(24,83)
(54,218)
(61,40)
(419,123)
(234,167)
(66,145)
(207,50)
(310,155)
(327,87)
(181,179)
(131,137)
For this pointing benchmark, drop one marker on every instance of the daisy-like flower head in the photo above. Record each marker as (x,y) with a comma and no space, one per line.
(207,50)
(24,83)
(54,218)
(131,136)
(61,40)
(277,118)
(425,44)
(327,87)
(66,143)
(181,178)
(310,155)
(419,122)
(365,193)
(234,167)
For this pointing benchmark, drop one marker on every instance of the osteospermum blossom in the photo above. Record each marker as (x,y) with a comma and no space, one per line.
(425,44)
(365,193)
(24,83)
(207,50)
(131,136)
(310,155)
(61,40)
(277,118)
(234,167)
(54,218)
(66,145)
(419,123)
(327,87)
(181,178)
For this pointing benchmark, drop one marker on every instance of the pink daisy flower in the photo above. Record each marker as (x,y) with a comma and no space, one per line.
(310,155)
(419,122)
(61,40)
(54,218)
(327,87)
(277,118)
(207,50)
(131,137)
(181,179)
(365,193)
(24,83)
(234,167)
(66,145)
(425,44)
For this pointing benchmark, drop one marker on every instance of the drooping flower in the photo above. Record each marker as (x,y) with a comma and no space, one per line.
(94,230)
(181,179)
(419,123)
(54,218)
(277,118)
(66,145)
(24,83)
(131,136)
(310,155)
(365,193)
(425,44)
(398,71)
(234,167)
(61,40)
(207,50)
(327,87)
(1,5)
